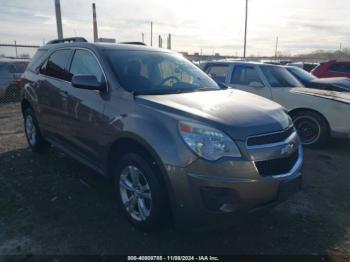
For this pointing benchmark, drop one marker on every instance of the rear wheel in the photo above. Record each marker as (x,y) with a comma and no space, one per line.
(35,140)
(139,191)
(312,128)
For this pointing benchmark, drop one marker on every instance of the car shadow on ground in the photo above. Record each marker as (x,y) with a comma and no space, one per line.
(51,204)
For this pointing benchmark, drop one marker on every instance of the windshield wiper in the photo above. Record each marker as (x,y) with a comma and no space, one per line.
(160,91)
(205,89)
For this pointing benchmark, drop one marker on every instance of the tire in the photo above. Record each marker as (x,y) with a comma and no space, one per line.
(312,128)
(34,138)
(139,191)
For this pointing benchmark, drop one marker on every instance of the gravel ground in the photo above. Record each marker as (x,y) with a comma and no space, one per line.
(51,204)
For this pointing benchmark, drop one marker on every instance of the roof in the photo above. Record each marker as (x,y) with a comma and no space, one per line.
(105,46)
(241,62)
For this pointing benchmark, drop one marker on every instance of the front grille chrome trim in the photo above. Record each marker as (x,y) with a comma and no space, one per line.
(271,145)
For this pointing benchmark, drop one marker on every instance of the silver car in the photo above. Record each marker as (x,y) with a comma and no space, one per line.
(10,71)
(317,114)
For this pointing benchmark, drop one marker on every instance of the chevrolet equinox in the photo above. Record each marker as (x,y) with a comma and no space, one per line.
(175,143)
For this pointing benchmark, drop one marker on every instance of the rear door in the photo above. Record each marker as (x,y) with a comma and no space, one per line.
(249,78)
(52,93)
(85,107)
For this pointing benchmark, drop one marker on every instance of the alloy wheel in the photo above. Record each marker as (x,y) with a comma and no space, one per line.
(135,193)
(30,130)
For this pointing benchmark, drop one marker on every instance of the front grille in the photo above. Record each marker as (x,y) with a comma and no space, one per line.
(277,166)
(270,138)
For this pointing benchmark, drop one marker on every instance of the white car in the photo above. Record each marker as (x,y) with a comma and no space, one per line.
(317,114)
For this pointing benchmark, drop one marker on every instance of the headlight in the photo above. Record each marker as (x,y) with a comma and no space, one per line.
(207,142)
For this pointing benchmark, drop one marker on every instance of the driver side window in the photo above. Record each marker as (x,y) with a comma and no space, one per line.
(246,76)
(84,63)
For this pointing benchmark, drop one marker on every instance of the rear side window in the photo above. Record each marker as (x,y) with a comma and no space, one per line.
(340,68)
(85,63)
(218,72)
(246,76)
(56,65)
(37,60)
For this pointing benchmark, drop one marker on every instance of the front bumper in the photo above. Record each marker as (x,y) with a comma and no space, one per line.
(207,194)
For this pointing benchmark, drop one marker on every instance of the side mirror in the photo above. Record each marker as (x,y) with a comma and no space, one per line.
(88,82)
(256,84)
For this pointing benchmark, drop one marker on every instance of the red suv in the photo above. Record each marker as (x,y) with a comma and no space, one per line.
(332,69)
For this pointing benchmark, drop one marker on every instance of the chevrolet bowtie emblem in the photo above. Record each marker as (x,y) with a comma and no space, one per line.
(288,149)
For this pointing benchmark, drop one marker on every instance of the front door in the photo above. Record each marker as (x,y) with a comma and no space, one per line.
(85,107)
(247,78)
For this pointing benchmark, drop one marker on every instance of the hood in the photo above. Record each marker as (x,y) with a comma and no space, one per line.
(239,114)
(343,97)
(342,82)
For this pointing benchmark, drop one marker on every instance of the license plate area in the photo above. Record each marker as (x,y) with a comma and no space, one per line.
(288,188)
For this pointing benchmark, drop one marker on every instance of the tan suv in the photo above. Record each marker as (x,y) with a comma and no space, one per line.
(175,142)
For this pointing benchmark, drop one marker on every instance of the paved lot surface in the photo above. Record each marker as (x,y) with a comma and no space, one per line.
(51,204)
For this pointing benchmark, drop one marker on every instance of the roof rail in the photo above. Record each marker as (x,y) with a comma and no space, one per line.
(67,40)
(132,43)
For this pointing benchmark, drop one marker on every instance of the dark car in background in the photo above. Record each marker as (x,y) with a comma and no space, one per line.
(332,69)
(170,138)
(10,73)
(339,84)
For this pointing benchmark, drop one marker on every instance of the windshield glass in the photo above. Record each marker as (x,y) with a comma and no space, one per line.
(302,74)
(279,77)
(140,71)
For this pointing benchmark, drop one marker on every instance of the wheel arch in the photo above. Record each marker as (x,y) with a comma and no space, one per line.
(130,142)
(303,109)
(24,105)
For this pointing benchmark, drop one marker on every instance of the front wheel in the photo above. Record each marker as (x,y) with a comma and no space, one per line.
(312,128)
(139,191)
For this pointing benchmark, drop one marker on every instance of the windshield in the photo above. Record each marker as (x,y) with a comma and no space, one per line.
(301,74)
(279,77)
(152,72)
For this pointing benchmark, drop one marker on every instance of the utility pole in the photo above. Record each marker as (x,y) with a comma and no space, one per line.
(94,22)
(169,42)
(245,30)
(160,41)
(58,19)
(276,50)
(143,37)
(151,33)
(16,49)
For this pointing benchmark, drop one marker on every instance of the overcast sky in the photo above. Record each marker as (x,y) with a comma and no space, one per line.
(213,26)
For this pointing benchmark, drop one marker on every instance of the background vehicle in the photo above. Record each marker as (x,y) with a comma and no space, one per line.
(315,112)
(167,134)
(332,69)
(10,71)
(308,67)
(308,80)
